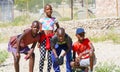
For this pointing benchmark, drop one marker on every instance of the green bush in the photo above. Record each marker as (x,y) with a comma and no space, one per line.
(3,55)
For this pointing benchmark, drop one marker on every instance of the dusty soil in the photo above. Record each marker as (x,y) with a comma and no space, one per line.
(105,52)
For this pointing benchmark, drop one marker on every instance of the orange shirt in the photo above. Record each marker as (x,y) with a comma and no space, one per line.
(81,47)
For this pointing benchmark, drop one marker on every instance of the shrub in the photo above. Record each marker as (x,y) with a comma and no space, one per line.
(3,55)
(105,67)
(110,36)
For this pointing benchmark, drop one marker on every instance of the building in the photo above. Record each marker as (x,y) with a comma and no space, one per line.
(6,10)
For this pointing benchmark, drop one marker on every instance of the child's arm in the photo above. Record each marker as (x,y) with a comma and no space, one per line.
(74,55)
(92,47)
(38,45)
(20,38)
(19,41)
(31,50)
(54,51)
(57,25)
(66,50)
(69,44)
(33,46)
(53,42)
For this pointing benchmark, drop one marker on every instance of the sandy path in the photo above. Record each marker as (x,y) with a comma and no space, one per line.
(105,52)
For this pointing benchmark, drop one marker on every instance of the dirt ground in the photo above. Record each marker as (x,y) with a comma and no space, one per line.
(105,52)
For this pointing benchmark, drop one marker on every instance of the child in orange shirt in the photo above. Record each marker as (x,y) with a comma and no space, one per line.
(85,51)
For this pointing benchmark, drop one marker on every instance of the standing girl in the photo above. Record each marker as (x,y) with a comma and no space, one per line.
(48,23)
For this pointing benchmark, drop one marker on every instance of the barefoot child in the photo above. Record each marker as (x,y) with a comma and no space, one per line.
(48,23)
(19,44)
(85,51)
(61,41)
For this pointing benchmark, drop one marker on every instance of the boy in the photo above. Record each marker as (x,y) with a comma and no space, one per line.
(61,41)
(19,44)
(85,51)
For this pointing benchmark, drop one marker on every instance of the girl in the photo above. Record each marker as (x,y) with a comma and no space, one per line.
(48,30)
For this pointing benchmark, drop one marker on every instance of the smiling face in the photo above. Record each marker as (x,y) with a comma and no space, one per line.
(35,27)
(61,34)
(80,36)
(48,10)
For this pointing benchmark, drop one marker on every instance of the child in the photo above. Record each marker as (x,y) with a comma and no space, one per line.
(85,51)
(19,44)
(61,41)
(48,23)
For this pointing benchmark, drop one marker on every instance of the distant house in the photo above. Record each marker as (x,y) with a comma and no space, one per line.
(6,10)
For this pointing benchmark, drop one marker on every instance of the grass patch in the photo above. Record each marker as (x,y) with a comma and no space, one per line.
(65,19)
(3,38)
(111,36)
(105,67)
(18,21)
(3,55)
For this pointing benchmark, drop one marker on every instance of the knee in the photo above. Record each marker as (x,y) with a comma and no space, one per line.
(72,64)
(16,59)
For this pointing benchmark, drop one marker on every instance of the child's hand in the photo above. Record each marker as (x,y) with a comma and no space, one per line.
(77,59)
(61,60)
(38,45)
(28,55)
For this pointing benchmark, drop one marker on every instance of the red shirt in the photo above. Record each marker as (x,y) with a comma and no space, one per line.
(81,47)
(26,40)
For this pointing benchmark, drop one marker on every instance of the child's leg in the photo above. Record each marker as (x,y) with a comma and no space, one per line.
(92,58)
(49,61)
(31,62)
(42,56)
(68,60)
(16,62)
(58,51)
(16,58)
(55,66)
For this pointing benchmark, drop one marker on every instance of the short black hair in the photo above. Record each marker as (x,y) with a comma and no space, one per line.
(37,23)
(61,31)
(47,5)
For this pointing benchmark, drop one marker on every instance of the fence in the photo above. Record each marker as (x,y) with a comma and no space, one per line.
(67,9)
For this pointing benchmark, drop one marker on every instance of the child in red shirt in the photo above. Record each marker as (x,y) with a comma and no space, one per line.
(85,51)
(19,44)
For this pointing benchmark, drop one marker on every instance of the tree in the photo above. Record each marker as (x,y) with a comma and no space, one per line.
(33,5)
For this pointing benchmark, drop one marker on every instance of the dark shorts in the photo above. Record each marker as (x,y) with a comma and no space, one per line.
(14,50)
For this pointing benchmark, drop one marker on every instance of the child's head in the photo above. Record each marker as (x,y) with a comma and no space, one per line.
(60,34)
(35,27)
(80,33)
(48,10)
